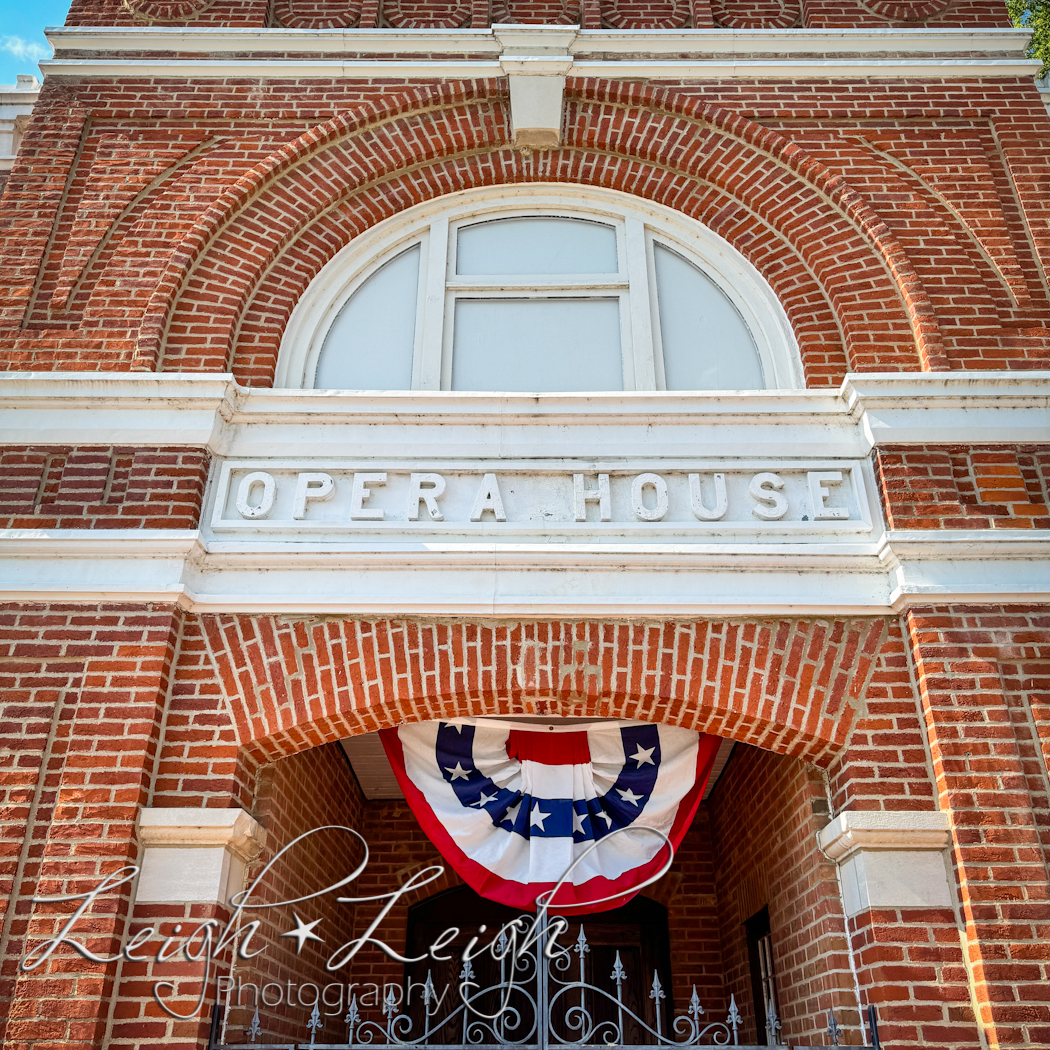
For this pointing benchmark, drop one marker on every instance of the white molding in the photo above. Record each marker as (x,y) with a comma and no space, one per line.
(498,39)
(854,830)
(889,859)
(232,829)
(693,69)
(484,577)
(195,855)
(549,50)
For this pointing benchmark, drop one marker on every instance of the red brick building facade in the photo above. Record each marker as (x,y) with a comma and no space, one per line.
(194,619)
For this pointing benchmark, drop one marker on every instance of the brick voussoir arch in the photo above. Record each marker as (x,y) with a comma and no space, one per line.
(830,185)
(234,199)
(790,686)
(234,278)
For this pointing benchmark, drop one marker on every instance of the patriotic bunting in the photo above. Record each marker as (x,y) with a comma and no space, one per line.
(511,806)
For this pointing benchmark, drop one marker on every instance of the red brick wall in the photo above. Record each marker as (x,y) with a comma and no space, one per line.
(310,790)
(765,814)
(965,487)
(82,695)
(103,726)
(982,678)
(101,487)
(938,219)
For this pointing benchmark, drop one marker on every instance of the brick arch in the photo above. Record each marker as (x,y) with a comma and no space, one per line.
(790,686)
(236,276)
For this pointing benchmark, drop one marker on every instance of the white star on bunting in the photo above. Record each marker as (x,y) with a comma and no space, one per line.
(629,796)
(577,821)
(537,818)
(643,756)
(512,813)
(484,800)
(605,816)
(459,773)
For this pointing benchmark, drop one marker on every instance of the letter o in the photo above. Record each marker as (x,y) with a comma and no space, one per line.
(641,511)
(280,994)
(244,490)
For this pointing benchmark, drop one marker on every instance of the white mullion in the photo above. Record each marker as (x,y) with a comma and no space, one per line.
(638,303)
(429,357)
(654,313)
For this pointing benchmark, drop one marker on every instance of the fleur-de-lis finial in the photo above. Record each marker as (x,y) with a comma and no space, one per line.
(833,1029)
(695,1009)
(619,973)
(467,973)
(733,1020)
(390,1003)
(353,1015)
(256,1027)
(657,993)
(428,990)
(315,1024)
(581,942)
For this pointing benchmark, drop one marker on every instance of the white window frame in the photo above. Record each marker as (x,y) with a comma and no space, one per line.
(638,225)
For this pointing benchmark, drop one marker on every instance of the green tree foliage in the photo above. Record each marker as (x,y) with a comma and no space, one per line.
(1034,15)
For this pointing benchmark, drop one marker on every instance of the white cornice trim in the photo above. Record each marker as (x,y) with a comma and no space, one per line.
(206,40)
(480,578)
(693,69)
(713,54)
(206,410)
(857,830)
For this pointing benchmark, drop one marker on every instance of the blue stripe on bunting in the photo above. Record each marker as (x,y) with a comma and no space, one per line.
(532,817)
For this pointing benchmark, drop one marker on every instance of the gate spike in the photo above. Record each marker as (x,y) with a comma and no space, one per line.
(833,1029)
(619,973)
(733,1020)
(581,942)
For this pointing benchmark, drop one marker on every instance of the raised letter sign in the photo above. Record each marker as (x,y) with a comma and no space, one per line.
(641,511)
(425,488)
(310,487)
(765,488)
(818,482)
(696,499)
(265,505)
(488,499)
(581,496)
(360,492)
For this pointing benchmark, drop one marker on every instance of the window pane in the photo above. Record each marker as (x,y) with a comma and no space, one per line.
(707,345)
(370,345)
(537,344)
(536,245)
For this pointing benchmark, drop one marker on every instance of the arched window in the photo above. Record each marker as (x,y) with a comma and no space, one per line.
(531,290)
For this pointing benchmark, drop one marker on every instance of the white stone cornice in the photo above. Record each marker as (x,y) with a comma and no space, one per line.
(505,38)
(441,54)
(689,69)
(854,830)
(486,576)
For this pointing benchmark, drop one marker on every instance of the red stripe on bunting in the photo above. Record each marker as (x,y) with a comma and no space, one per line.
(549,749)
(523,895)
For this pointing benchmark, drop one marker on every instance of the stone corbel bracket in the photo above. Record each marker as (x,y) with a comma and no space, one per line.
(196,855)
(889,860)
(536,60)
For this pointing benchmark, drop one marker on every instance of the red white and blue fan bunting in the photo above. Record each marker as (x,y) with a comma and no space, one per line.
(511,806)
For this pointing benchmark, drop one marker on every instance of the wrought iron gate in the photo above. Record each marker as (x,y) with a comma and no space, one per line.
(543,1002)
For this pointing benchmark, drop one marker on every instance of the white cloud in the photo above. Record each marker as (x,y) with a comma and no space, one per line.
(24,49)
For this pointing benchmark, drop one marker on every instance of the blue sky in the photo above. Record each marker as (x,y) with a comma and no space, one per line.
(22,42)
